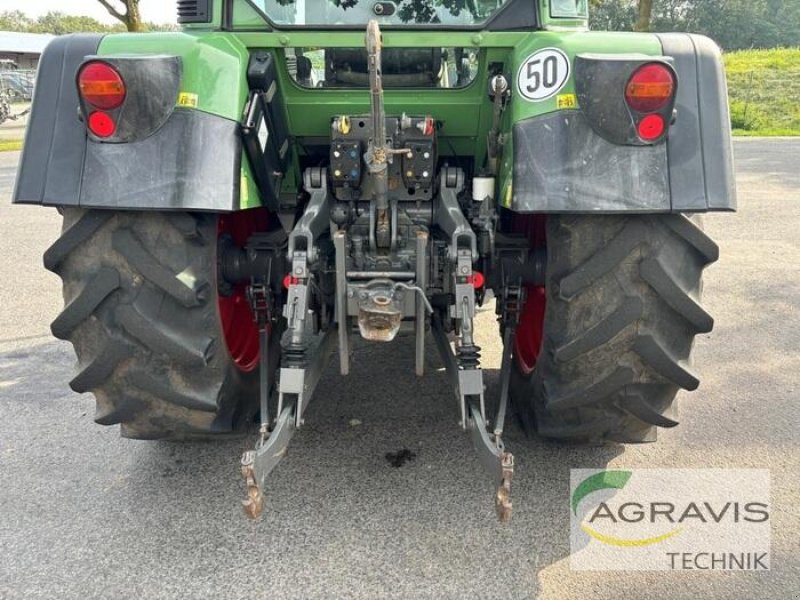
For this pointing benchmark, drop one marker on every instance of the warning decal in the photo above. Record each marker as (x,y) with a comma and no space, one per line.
(567,101)
(187,99)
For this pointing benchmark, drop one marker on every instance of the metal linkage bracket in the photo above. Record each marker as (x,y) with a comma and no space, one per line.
(261,303)
(300,382)
(296,308)
(466,377)
(316,216)
(464,370)
(259,463)
(449,215)
(511,304)
(468,387)
(343,321)
(305,353)
(464,305)
(295,388)
(420,318)
(497,462)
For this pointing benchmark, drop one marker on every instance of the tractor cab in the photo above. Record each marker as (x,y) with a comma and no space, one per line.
(352,13)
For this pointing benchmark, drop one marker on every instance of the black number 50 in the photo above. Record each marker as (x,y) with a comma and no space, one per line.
(546,75)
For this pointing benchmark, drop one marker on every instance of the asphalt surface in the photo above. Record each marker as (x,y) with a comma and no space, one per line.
(86,514)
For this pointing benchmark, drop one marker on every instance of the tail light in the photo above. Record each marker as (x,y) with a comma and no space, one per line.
(126,98)
(101,124)
(651,127)
(627,99)
(101,85)
(649,93)
(102,89)
(650,87)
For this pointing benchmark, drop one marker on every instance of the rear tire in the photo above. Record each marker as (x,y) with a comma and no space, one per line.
(140,295)
(622,310)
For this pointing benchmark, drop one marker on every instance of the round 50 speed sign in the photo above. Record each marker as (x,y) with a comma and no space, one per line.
(543,74)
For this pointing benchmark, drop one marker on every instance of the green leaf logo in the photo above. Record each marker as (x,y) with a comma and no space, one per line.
(599,481)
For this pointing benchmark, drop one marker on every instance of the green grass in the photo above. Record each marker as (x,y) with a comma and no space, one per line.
(8,145)
(764,87)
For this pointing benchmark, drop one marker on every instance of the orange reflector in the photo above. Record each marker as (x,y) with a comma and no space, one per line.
(101,85)
(101,124)
(650,87)
(651,127)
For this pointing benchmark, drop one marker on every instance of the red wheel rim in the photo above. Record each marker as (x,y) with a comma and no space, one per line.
(530,332)
(238,324)
(528,340)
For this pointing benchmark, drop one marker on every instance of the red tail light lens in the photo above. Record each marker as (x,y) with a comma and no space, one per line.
(101,85)
(101,124)
(650,88)
(651,127)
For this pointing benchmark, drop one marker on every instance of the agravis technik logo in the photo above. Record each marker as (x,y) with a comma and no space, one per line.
(611,480)
(670,519)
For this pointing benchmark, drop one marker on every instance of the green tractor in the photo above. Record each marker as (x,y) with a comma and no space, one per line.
(247,196)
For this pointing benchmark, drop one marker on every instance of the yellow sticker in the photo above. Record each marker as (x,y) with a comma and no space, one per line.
(244,188)
(567,101)
(507,198)
(187,99)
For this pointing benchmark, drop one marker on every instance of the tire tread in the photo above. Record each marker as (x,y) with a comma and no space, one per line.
(146,341)
(622,312)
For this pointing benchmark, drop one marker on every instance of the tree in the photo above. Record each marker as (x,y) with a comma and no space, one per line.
(645,11)
(733,24)
(612,15)
(14,20)
(58,23)
(131,18)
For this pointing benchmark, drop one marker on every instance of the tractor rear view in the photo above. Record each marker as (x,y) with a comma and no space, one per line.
(244,198)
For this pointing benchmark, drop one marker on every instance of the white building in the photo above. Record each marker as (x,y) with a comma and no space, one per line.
(24,49)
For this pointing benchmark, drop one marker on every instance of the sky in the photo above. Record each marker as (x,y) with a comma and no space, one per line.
(156,11)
